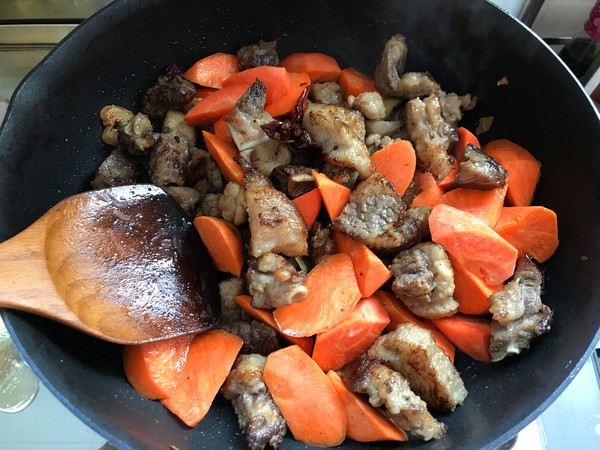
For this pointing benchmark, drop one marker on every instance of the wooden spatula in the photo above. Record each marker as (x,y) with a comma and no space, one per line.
(123,264)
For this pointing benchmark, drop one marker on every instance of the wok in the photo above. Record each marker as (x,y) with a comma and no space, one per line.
(50,147)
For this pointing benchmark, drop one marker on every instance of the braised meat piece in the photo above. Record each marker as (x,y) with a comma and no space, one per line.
(269,155)
(118,169)
(320,243)
(174,123)
(229,289)
(233,204)
(518,314)
(276,225)
(258,337)
(377,217)
(411,350)
(273,282)
(340,133)
(262,54)
(258,416)
(390,78)
(113,117)
(388,388)
(453,106)
(424,280)
(431,136)
(136,135)
(203,172)
(292,180)
(170,91)
(186,197)
(342,175)
(327,93)
(480,171)
(370,104)
(169,160)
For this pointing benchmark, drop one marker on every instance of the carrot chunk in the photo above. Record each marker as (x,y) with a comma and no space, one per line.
(285,105)
(429,191)
(223,153)
(371,273)
(318,66)
(266,316)
(309,205)
(397,162)
(471,335)
(352,336)
(355,83)
(212,70)
(203,92)
(153,368)
(523,170)
(470,291)
(531,229)
(465,137)
(332,294)
(399,313)
(222,131)
(364,422)
(275,79)
(473,244)
(214,106)
(223,242)
(300,389)
(485,205)
(334,195)
(210,358)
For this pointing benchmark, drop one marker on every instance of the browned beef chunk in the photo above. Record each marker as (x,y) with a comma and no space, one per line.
(262,54)
(118,169)
(170,91)
(136,135)
(186,197)
(292,180)
(257,336)
(424,280)
(453,106)
(258,416)
(169,160)
(320,243)
(480,171)
(203,172)
(519,316)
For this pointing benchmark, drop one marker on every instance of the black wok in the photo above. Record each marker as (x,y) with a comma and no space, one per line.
(50,146)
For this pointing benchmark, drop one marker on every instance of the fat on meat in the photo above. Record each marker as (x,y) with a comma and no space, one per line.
(275,223)
(370,104)
(273,282)
(412,351)
(423,279)
(376,216)
(327,93)
(258,415)
(388,388)
(340,133)
(431,135)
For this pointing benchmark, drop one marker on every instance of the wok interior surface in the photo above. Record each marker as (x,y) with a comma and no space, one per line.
(50,147)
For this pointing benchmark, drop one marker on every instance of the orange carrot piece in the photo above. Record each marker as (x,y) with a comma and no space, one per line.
(318,66)
(352,336)
(470,334)
(332,294)
(285,105)
(355,83)
(223,153)
(522,167)
(371,273)
(214,106)
(430,192)
(210,358)
(473,244)
(465,137)
(309,205)
(397,162)
(223,242)
(531,229)
(153,368)
(266,316)
(334,195)
(399,313)
(275,79)
(203,92)
(212,70)
(300,388)
(222,130)
(364,422)
(470,291)
(485,205)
